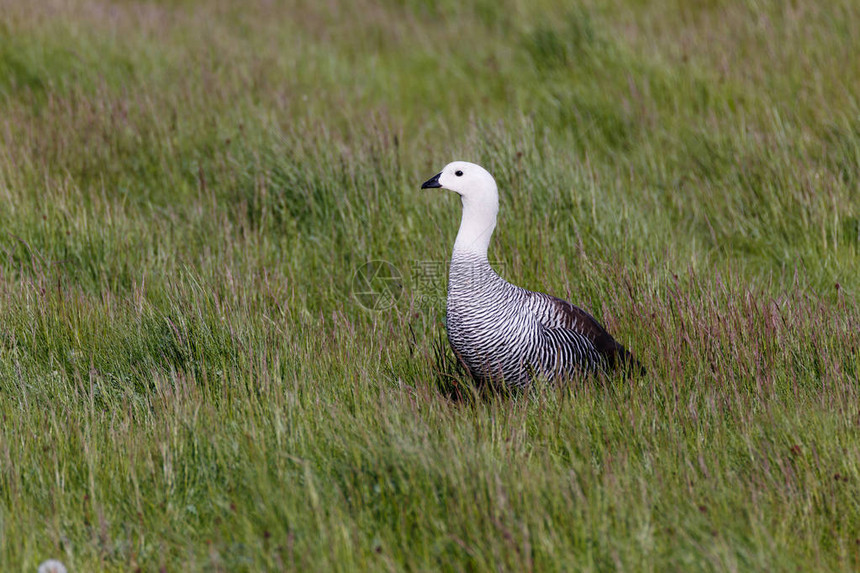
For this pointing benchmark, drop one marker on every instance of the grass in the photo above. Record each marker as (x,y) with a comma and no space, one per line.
(187,189)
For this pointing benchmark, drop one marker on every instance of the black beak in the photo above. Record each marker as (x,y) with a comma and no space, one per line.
(433,182)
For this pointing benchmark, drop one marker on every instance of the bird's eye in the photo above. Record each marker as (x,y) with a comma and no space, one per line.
(458,173)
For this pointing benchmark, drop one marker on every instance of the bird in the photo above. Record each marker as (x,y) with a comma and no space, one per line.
(503,334)
(52,566)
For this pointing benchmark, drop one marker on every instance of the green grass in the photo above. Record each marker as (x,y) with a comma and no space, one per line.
(188,188)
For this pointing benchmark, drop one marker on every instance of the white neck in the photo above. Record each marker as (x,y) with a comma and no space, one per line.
(476,227)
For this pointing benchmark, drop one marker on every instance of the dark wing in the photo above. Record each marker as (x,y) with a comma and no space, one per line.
(558,313)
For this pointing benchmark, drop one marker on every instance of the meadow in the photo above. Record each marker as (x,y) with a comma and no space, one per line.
(190,381)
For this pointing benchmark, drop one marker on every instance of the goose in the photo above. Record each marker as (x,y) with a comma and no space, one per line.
(502,333)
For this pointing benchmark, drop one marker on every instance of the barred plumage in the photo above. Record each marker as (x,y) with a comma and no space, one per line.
(501,332)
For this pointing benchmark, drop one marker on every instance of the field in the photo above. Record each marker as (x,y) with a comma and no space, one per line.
(192,378)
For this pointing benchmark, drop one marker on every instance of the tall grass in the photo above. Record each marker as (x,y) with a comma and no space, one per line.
(188,381)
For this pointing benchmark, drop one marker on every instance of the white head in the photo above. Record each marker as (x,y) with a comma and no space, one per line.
(470,181)
(52,566)
(480,197)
